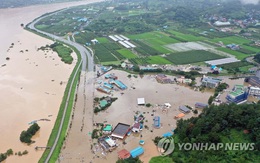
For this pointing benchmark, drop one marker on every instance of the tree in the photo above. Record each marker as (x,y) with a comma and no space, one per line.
(211,98)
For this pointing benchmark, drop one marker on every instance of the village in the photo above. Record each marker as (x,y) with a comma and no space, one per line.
(132,110)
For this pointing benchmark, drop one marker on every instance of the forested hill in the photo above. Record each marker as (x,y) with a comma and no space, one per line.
(21,3)
(219,124)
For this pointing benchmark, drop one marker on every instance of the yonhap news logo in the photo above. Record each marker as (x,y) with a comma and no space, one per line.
(166,146)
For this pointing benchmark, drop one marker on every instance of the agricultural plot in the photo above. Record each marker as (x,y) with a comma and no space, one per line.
(127,53)
(193,56)
(234,65)
(252,49)
(102,40)
(237,54)
(103,54)
(156,40)
(144,49)
(187,46)
(158,60)
(185,37)
(231,40)
(84,38)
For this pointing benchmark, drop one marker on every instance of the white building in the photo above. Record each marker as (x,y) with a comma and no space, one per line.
(254,91)
(219,23)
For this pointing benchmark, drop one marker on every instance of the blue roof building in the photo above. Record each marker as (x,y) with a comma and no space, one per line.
(238,94)
(137,152)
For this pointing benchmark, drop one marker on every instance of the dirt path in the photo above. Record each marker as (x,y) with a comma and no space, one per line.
(77,145)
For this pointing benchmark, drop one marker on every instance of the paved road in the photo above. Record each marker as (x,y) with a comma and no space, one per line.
(87,60)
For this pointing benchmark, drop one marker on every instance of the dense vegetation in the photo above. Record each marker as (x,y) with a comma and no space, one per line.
(64,52)
(130,160)
(26,136)
(219,124)
(257,58)
(4,156)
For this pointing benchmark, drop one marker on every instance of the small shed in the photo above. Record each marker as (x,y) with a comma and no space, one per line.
(184,109)
(137,152)
(180,115)
(102,103)
(140,101)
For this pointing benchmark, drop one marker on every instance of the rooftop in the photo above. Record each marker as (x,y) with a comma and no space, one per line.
(120,130)
(123,154)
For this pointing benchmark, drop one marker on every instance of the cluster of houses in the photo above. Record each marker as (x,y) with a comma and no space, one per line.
(233,46)
(120,131)
(108,86)
(162,78)
(220,21)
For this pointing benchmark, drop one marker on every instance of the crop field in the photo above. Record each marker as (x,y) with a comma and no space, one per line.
(237,54)
(102,40)
(127,53)
(231,40)
(193,56)
(234,65)
(253,49)
(186,37)
(145,49)
(158,60)
(103,54)
(156,40)
(84,38)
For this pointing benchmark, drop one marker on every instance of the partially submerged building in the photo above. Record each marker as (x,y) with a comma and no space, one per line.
(104,90)
(107,129)
(210,82)
(254,91)
(120,130)
(118,83)
(184,109)
(140,101)
(162,78)
(107,143)
(238,94)
(200,105)
(254,80)
(156,122)
(123,154)
(137,127)
(137,152)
